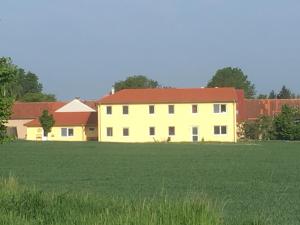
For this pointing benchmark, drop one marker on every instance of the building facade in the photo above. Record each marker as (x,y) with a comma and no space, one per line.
(169,115)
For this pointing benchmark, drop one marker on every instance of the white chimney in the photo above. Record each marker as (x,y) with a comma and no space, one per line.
(112,90)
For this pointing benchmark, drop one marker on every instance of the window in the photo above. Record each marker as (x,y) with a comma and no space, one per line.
(195,134)
(220,108)
(108,110)
(67,132)
(171,131)
(151,109)
(91,129)
(151,131)
(171,109)
(109,131)
(218,130)
(125,131)
(125,110)
(194,108)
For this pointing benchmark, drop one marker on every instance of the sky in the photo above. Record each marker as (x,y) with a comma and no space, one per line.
(79,48)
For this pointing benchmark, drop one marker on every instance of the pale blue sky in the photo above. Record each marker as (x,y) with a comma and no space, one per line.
(80,47)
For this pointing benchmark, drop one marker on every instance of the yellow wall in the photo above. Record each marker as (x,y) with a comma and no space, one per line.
(139,120)
(80,134)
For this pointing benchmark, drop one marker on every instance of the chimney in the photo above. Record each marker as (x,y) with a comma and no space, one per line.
(112,90)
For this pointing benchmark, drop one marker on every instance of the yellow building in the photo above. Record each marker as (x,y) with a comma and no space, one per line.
(175,115)
(69,126)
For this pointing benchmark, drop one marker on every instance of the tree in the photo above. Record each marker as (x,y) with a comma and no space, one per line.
(272,95)
(261,129)
(262,96)
(287,124)
(38,97)
(134,82)
(233,77)
(47,122)
(7,75)
(285,93)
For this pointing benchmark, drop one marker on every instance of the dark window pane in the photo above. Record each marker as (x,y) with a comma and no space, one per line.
(223,108)
(71,132)
(194,108)
(171,130)
(195,130)
(217,130)
(224,130)
(125,132)
(152,131)
(151,109)
(195,138)
(108,110)
(171,109)
(125,110)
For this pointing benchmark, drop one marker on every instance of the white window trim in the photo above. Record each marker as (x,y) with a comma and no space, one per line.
(220,130)
(198,129)
(112,132)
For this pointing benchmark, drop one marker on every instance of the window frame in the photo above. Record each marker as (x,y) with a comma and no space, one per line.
(219,106)
(195,105)
(153,131)
(171,112)
(125,110)
(68,132)
(174,131)
(107,110)
(149,109)
(109,134)
(220,127)
(124,129)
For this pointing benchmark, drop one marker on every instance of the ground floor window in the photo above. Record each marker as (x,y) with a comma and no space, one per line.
(171,131)
(195,134)
(109,131)
(220,130)
(151,131)
(67,132)
(125,131)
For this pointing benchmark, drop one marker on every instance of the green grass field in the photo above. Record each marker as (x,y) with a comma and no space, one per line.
(258,180)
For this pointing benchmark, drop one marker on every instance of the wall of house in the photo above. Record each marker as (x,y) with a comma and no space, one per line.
(19,124)
(36,134)
(139,120)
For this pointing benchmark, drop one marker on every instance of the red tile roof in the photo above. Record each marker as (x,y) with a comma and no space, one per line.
(171,95)
(267,107)
(70,119)
(241,116)
(31,110)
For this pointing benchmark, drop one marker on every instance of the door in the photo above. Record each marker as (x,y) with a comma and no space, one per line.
(195,134)
(45,136)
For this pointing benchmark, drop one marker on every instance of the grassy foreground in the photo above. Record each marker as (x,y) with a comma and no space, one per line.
(24,206)
(254,180)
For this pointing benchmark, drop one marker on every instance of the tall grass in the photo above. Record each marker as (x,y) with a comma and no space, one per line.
(21,205)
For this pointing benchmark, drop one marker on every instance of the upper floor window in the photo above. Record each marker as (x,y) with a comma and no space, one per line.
(67,132)
(220,108)
(151,109)
(108,110)
(218,130)
(125,110)
(194,108)
(171,109)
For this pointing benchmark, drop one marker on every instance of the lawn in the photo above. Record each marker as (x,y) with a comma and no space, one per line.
(248,180)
